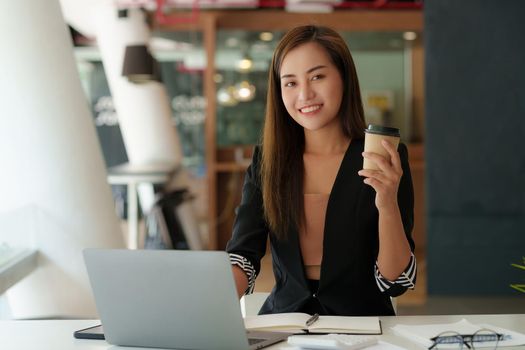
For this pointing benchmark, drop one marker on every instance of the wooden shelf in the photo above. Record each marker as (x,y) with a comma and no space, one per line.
(221,165)
(278,19)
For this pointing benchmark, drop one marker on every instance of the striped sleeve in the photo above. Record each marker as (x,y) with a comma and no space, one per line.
(406,279)
(247,267)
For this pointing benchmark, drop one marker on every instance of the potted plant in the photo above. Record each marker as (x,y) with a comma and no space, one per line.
(519,287)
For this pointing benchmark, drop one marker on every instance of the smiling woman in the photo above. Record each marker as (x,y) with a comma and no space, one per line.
(340,236)
(312,88)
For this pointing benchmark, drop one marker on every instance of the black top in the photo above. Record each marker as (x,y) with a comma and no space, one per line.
(347,285)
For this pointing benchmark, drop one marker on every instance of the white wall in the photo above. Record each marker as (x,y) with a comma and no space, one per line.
(51,161)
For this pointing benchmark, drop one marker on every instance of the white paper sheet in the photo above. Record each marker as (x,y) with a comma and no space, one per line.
(381,345)
(422,333)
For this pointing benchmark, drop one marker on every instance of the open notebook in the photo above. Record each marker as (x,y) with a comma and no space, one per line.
(297,323)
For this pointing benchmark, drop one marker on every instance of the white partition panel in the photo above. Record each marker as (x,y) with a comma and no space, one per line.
(144,110)
(51,161)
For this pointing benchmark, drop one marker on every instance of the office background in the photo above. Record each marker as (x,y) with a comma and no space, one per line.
(470,132)
(475,94)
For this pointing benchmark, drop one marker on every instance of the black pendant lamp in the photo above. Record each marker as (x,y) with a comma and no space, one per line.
(139,65)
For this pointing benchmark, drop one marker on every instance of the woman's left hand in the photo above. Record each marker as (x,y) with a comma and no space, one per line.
(384,181)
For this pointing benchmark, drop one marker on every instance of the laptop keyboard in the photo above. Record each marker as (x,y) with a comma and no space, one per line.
(252,341)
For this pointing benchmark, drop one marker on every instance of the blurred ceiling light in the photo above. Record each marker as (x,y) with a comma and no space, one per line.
(225,96)
(244,91)
(139,65)
(409,36)
(266,36)
(232,42)
(218,78)
(245,64)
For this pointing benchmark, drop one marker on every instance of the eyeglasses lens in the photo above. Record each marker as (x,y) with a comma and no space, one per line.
(485,339)
(449,340)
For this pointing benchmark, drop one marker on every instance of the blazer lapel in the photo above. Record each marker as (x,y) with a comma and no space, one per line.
(341,214)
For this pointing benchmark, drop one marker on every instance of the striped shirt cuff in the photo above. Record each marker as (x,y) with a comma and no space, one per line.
(248,269)
(406,279)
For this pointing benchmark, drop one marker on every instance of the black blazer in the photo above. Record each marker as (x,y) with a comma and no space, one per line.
(350,247)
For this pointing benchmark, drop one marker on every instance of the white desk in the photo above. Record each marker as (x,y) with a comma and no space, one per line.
(58,335)
(132,175)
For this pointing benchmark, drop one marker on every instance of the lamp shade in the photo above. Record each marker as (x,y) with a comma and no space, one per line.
(139,65)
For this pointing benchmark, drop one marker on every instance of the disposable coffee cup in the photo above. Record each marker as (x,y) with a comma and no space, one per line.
(373,136)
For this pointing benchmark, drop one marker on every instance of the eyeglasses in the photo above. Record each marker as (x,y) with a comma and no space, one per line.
(484,338)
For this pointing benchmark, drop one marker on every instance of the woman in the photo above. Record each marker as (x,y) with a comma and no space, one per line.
(340,236)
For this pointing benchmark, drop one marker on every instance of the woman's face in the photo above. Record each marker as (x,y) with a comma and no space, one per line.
(311,87)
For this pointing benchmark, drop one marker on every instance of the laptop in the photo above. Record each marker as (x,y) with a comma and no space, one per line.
(170,299)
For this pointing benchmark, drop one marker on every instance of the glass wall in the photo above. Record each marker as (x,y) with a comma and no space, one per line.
(383,62)
(182,61)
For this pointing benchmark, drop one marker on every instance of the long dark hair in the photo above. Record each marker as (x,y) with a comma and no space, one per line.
(282,169)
